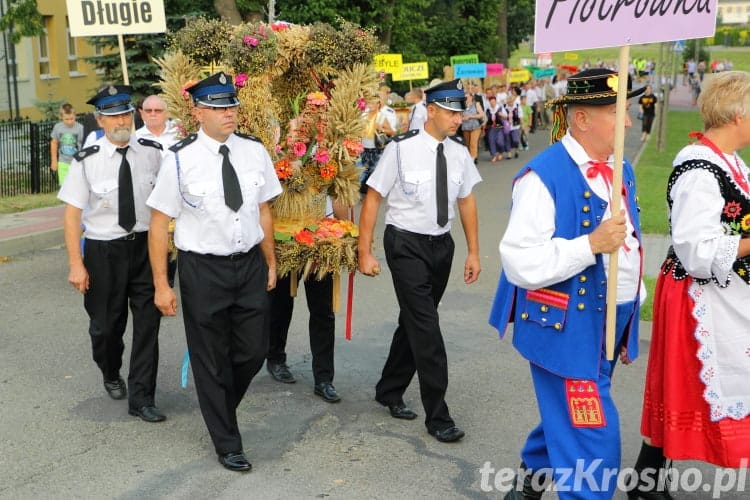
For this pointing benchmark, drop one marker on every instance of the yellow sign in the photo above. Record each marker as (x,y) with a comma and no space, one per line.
(412,71)
(570,56)
(519,75)
(389,63)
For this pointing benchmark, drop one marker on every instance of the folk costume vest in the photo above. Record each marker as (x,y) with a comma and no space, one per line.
(561,327)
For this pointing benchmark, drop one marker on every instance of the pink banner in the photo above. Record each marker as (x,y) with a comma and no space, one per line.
(587,24)
(494,69)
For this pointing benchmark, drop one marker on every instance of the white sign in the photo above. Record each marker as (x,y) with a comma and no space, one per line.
(108,17)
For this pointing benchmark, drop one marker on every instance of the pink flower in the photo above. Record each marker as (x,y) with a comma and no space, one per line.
(322,156)
(317,98)
(361,104)
(240,80)
(250,41)
(278,148)
(299,149)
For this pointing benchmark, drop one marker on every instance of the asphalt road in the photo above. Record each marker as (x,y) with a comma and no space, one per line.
(62,437)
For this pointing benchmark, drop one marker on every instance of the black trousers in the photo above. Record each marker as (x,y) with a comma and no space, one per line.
(321,326)
(225,307)
(119,271)
(420,267)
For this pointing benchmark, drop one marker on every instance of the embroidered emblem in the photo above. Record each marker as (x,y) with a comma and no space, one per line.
(584,403)
(111,90)
(223,79)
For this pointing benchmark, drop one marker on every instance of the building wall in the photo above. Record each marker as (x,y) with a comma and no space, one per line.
(58,76)
(734,11)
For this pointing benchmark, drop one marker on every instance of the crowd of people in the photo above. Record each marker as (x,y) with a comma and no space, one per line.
(218,186)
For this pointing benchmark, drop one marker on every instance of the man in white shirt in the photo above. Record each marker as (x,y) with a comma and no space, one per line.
(157,125)
(555,259)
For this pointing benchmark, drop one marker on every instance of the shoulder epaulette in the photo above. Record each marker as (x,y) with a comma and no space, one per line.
(86,152)
(406,135)
(458,139)
(248,136)
(148,142)
(179,145)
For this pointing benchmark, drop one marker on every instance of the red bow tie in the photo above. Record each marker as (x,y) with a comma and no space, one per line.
(600,168)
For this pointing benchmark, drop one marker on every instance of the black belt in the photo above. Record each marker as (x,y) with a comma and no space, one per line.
(132,236)
(428,237)
(231,256)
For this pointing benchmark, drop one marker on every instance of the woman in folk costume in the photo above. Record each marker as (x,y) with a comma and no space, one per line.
(697,396)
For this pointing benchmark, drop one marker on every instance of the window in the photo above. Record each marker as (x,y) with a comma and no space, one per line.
(72,51)
(45,63)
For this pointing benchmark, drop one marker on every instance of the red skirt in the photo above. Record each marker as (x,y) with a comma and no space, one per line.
(675,415)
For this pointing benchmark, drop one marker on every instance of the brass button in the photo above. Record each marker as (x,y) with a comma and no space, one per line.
(581,291)
(581,306)
(558,326)
(587,194)
(544,309)
(586,223)
(582,279)
(524,315)
(586,208)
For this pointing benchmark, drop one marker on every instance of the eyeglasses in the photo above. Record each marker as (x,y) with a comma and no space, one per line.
(153,110)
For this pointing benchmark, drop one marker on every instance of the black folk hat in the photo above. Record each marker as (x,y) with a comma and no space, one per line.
(216,91)
(590,87)
(594,87)
(448,95)
(113,100)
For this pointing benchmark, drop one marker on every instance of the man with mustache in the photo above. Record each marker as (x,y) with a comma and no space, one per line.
(217,185)
(106,189)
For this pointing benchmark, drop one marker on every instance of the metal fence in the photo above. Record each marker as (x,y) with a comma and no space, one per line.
(25,158)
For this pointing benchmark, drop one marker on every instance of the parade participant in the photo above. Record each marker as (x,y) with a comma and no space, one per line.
(216,184)
(106,189)
(156,123)
(321,327)
(647,109)
(421,194)
(418,111)
(555,261)
(696,398)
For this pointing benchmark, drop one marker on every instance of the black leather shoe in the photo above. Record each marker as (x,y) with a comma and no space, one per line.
(116,388)
(147,413)
(401,411)
(448,435)
(280,372)
(235,461)
(326,391)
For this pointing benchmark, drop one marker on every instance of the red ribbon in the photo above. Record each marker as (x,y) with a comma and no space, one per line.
(736,172)
(603,169)
(349,295)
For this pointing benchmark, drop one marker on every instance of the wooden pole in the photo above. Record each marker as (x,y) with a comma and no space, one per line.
(123,59)
(621,111)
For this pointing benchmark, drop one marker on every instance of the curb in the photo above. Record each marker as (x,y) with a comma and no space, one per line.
(31,242)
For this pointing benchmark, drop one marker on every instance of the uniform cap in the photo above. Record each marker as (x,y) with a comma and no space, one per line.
(216,90)
(113,100)
(448,95)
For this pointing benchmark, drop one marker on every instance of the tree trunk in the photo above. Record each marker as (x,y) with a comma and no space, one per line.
(227,10)
(502,32)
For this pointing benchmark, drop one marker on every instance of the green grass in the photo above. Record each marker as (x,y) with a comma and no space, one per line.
(23,202)
(647,309)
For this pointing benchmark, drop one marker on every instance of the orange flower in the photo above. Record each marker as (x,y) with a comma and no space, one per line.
(353,147)
(283,169)
(305,237)
(187,85)
(328,171)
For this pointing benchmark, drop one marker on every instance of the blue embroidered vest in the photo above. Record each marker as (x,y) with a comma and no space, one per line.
(561,328)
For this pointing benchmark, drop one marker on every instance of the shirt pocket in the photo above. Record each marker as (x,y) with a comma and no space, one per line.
(455,185)
(416,183)
(199,195)
(104,194)
(252,184)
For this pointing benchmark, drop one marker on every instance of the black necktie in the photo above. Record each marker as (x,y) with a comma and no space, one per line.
(125,201)
(232,191)
(441,187)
